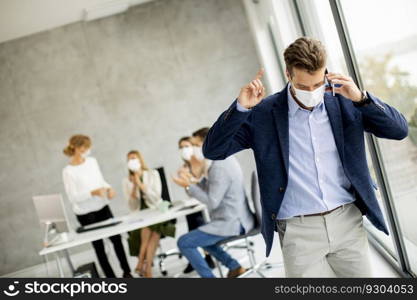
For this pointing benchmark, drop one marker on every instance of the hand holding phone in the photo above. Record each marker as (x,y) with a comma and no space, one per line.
(328,83)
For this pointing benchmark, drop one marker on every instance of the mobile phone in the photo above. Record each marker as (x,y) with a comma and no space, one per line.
(329,83)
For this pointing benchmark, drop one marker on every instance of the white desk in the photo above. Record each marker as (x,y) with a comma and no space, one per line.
(136,220)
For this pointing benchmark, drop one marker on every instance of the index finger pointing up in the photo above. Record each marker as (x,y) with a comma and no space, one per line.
(260,73)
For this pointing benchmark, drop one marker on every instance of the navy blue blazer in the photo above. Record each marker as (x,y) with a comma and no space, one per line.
(265,130)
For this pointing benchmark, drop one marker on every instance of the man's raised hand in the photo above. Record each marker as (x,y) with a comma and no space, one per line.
(252,93)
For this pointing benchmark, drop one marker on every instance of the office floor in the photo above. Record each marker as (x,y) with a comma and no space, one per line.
(175,266)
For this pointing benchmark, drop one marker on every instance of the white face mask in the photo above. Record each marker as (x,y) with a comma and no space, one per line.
(310,99)
(86,153)
(133,165)
(198,152)
(186,152)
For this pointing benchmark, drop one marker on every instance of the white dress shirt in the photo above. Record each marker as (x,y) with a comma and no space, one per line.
(79,181)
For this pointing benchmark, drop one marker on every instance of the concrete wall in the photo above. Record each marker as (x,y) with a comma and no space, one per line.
(138,80)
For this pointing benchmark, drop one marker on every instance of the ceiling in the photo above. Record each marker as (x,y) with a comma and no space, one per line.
(20,18)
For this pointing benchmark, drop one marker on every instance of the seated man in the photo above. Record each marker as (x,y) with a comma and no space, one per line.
(222,190)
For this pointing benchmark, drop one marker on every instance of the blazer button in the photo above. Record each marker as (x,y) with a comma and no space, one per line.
(281,189)
(273,216)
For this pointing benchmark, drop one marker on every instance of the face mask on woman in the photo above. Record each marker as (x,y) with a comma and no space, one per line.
(86,153)
(198,152)
(133,165)
(186,152)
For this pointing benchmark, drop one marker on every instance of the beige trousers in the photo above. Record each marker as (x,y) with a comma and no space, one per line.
(324,246)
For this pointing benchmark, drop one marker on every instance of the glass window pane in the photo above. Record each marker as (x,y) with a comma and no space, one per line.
(379,235)
(319,23)
(287,24)
(386,50)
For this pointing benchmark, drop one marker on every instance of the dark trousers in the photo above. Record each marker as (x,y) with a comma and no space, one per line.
(101,215)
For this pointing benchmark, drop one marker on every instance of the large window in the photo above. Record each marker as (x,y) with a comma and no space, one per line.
(386,51)
(377,43)
(319,22)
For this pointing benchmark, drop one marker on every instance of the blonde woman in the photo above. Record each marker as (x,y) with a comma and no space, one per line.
(142,189)
(89,195)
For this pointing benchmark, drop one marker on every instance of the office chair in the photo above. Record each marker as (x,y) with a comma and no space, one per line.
(249,245)
(171,252)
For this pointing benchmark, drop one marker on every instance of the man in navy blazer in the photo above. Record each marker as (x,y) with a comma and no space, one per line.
(310,155)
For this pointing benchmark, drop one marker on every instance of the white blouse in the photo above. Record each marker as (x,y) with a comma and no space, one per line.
(152,197)
(80,181)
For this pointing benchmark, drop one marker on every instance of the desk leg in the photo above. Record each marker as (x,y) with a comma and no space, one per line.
(59,265)
(45,261)
(68,258)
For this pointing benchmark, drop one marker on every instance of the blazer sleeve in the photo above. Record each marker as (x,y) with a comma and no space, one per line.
(74,194)
(153,188)
(217,185)
(382,120)
(231,133)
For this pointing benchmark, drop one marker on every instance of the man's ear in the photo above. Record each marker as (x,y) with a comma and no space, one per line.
(288,74)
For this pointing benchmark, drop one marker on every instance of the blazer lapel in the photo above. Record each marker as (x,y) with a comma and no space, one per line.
(335,117)
(280,111)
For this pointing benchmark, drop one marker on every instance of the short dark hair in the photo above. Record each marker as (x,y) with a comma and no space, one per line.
(201,133)
(184,138)
(305,53)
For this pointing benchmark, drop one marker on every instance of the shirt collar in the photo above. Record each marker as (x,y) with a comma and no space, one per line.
(293,106)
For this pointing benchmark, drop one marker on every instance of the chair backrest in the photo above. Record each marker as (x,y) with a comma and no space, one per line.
(256,199)
(165,190)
